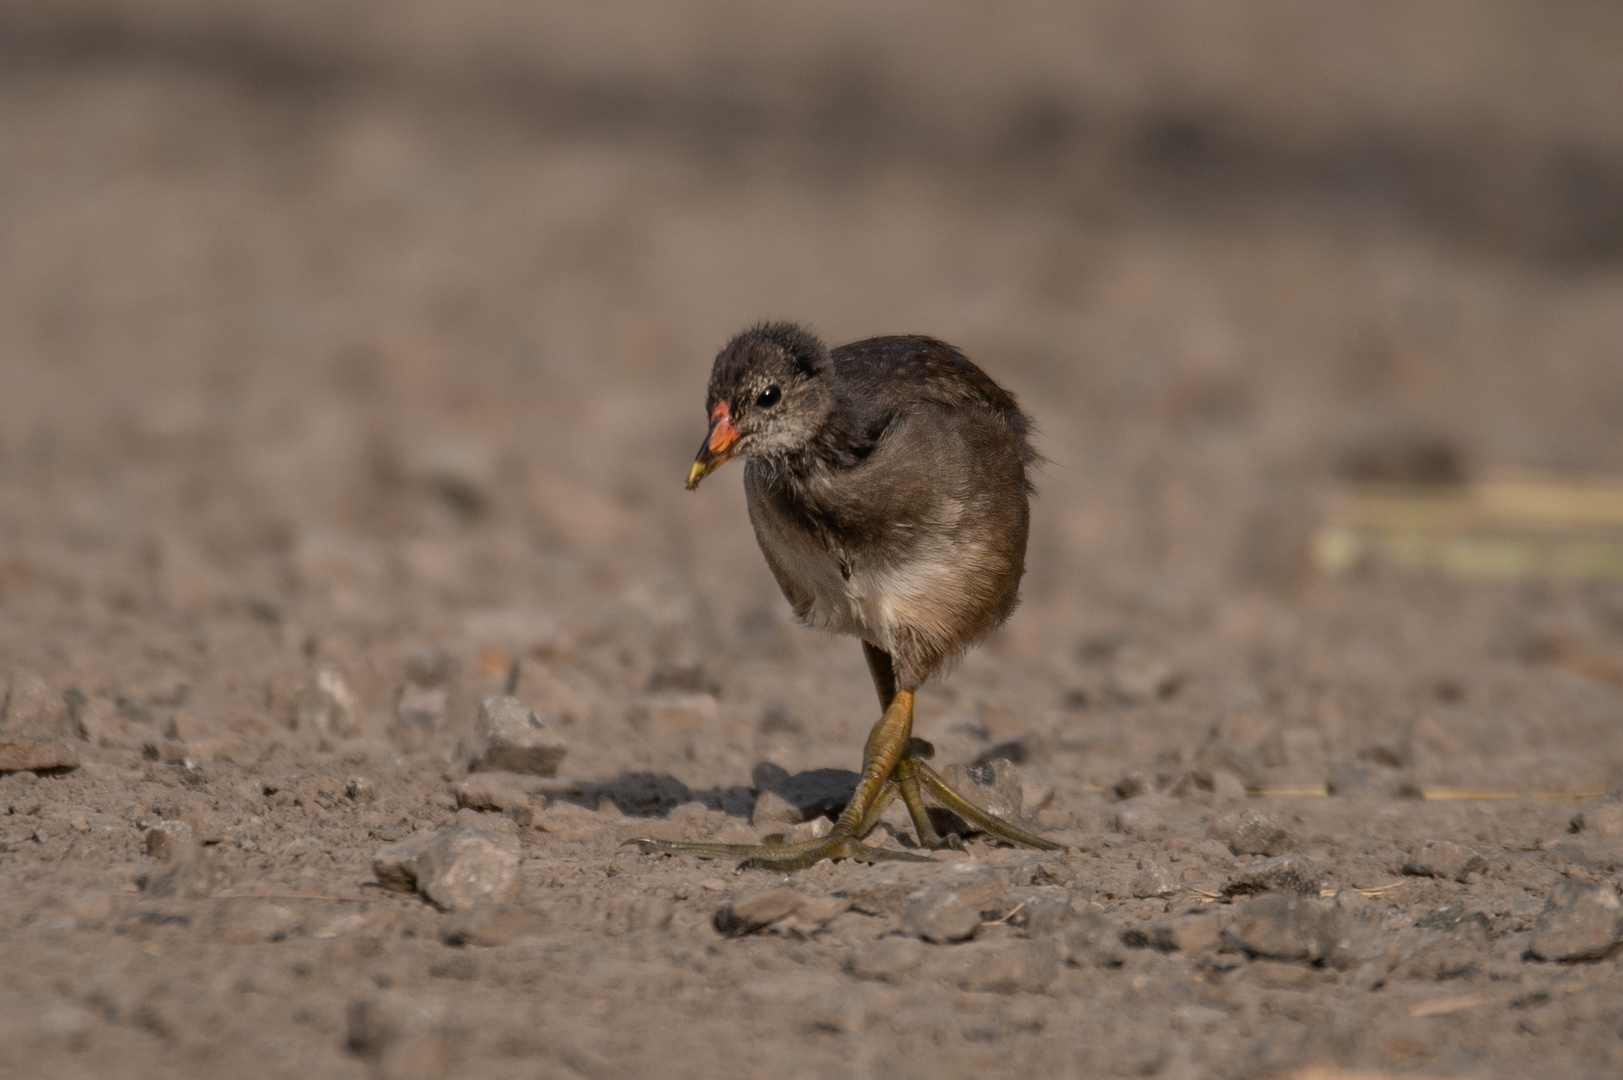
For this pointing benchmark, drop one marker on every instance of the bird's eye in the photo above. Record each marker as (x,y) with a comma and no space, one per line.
(769,397)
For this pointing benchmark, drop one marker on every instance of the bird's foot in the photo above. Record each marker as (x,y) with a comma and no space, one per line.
(781,857)
(930,783)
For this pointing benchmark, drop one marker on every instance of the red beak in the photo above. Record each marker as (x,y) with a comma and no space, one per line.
(718,445)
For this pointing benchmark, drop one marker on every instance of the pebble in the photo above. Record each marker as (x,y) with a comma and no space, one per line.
(748,914)
(939,915)
(510,737)
(1281,926)
(493,924)
(1154,881)
(1442,859)
(1580,921)
(327,705)
(1288,873)
(458,866)
(503,792)
(1036,912)
(995,787)
(21,754)
(1247,832)
(32,709)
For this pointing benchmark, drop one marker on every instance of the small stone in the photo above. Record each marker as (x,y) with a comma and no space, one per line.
(395,866)
(21,754)
(1281,926)
(461,472)
(1580,921)
(327,705)
(503,792)
(890,959)
(1138,677)
(493,924)
(1247,832)
(1288,873)
(360,789)
(1154,881)
(821,910)
(995,787)
(773,809)
(748,914)
(1003,967)
(940,916)
(171,840)
(512,738)
(33,710)
(464,866)
(1354,778)
(815,829)
(1442,859)
(1130,786)
(1035,912)
(1092,939)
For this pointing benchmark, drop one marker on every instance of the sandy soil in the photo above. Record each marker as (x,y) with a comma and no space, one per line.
(351,359)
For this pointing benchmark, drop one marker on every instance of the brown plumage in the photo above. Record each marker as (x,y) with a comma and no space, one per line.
(887,486)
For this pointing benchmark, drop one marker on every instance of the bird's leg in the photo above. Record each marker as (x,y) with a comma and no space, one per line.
(914,778)
(885,747)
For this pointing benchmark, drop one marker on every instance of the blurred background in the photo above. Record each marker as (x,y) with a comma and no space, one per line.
(330,331)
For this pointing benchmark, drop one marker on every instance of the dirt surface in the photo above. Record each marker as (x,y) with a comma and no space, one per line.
(351,360)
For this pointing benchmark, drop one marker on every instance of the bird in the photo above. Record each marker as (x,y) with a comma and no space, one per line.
(888,485)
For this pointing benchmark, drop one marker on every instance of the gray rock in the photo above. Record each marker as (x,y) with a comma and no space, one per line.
(1247,832)
(773,809)
(1288,873)
(939,915)
(995,787)
(19,754)
(1580,921)
(1354,778)
(1441,859)
(1035,912)
(890,959)
(33,710)
(395,866)
(503,792)
(1155,881)
(458,867)
(510,737)
(465,866)
(493,924)
(757,911)
(327,705)
(1281,926)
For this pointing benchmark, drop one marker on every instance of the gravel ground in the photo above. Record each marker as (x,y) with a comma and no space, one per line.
(351,359)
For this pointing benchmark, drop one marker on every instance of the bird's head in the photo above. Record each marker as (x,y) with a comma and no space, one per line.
(770,392)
